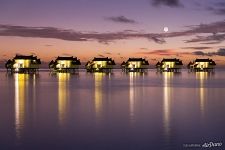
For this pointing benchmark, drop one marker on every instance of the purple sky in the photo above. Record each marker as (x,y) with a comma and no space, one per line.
(113,28)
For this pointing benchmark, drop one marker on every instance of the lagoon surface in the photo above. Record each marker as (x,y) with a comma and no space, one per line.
(118,111)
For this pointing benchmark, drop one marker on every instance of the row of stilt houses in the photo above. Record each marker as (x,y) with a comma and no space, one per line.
(31,64)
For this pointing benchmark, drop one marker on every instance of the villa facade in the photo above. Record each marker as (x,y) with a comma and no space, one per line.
(169,65)
(100,65)
(65,64)
(23,64)
(135,65)
(202,65)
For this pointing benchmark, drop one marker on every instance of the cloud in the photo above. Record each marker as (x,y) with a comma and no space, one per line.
(121,19)
(41,32)
(213,28)
(170,52)
(201,53)
(204,33)
(48,45)
(163,52)
(217,11)
(170,3)
(209,43)
(100,55)
(71,35)
(66,54)
(143,48)
(210,33)
(107,53)
(197,48)
(158,39)
(217,8)
(220,52)
(215,38)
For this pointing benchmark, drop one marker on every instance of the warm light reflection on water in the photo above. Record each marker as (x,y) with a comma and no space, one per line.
(202,76)
(132,75)
(125,111)
(34,94)
(98,76)
(20,87)
(167,98)
(63,96)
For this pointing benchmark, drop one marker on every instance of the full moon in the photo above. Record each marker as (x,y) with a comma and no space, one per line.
(165,29)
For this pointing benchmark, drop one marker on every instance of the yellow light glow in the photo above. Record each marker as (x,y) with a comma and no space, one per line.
(203,65)
(202,76)
(22,63)
(134,64)
(167,102)
(131,99)
(63,96)
(98,94)
(168,65)
(19,103)
(64,64)
(100,64)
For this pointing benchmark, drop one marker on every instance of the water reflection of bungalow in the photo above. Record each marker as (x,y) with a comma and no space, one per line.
(24,96)
(135,65)
(202,77)
(63,96)
(100,65)
(202,65)
(168,96)
(98,95)
(23,64)
(169,65)
(65,64)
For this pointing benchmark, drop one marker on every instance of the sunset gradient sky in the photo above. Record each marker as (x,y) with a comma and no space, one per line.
(113,28)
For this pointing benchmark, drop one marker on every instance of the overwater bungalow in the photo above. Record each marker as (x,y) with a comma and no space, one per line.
(23,64)
(65,64)
(202,65)
(135,65)
(100,65)
(169,65)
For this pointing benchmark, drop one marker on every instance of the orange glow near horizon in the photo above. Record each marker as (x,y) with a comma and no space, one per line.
(49,49)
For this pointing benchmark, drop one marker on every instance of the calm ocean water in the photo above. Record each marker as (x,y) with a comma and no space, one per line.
(116,111)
